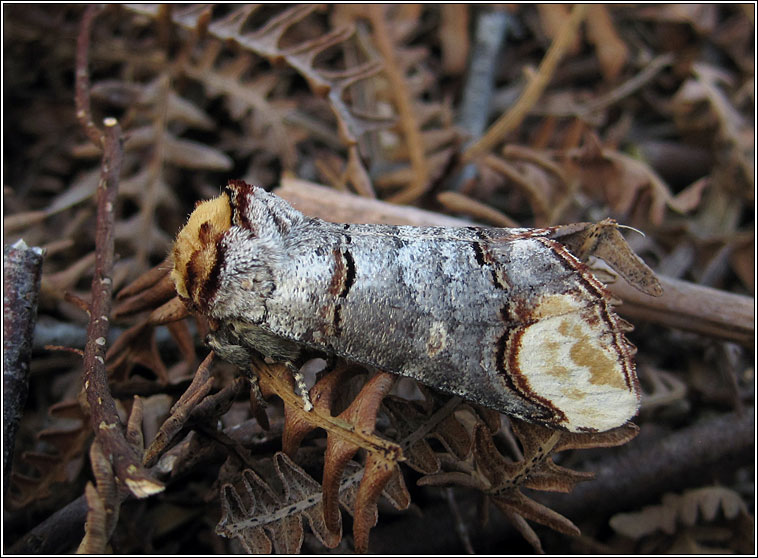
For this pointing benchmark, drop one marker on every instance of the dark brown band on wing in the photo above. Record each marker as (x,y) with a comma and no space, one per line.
(507,347)
(340,284)
(339,275)
(350,274)
(577,268)
(598,291)
(478,254)
(337,320)
(239,201)
(484,257)
(343,275)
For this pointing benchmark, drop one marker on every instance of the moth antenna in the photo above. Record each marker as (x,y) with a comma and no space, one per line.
(631,229)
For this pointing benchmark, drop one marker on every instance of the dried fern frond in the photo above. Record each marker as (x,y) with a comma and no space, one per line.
(264,519)
(502,479)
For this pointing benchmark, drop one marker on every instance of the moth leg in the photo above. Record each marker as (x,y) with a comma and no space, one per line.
(302,388)
(237,339)
(257,403)
(229,349)
(255,391)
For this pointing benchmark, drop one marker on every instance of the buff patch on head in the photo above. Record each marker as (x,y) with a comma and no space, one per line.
(195,252)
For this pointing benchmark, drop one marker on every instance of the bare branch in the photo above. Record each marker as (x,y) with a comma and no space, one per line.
(83,109)
(105,421)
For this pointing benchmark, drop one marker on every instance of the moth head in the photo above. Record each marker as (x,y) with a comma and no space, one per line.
(196,249)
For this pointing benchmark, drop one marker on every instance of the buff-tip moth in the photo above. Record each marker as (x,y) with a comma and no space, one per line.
(511,319)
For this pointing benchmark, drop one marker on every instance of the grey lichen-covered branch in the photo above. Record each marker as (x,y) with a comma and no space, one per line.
(22,267)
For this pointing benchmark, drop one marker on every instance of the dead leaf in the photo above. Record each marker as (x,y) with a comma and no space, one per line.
(687,508)
(610,49)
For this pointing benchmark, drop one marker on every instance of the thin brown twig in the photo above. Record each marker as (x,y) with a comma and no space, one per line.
(630,86)
(538,201)
(105,420)
(691,307)
(201,385)
(455,202)
(403,100)
(532,92)
(82,98)
(106,424)
(536,157)
(639,473)
(65,349)
(634,83)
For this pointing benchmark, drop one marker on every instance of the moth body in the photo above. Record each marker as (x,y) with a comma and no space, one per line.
(506,318)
